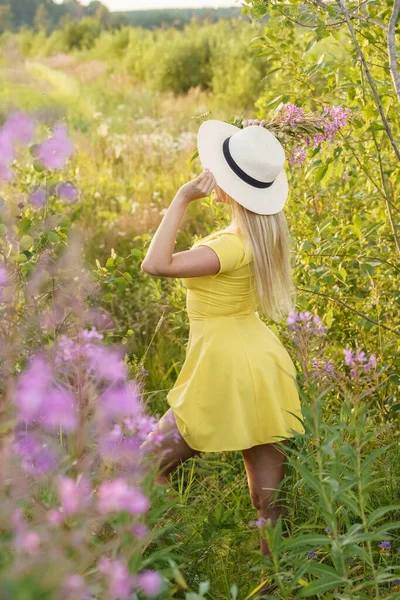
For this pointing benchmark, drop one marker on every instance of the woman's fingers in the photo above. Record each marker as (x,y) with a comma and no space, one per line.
(263,123)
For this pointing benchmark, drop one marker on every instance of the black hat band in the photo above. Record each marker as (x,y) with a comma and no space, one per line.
(239,172)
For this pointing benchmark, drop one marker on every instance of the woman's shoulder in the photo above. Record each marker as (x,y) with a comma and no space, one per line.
(229,241)
(228,233)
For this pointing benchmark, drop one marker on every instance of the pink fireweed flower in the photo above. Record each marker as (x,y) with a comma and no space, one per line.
(318,138)
(38,197)
(68,191)
(20,128)
(150,582)
(298,155)
(324,368)
(31,388)
(140,530)
(118,496)
(74,588)
(7,152)
(36,456)
(348,357)
(122,400)
(3,277)
(6,174)
(119,579)
(59,409)
(74,494)
(292,318)
(361,357)
(353,359)
(305,322)
(54,517)
(371,364)
(107,363)
(17,519)
(260,522)
(293,113)
(55,151)
(28,542)
(339,119)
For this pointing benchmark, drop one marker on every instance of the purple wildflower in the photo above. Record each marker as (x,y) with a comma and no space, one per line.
(59,409)
(28,541)
(107,364)
(31,388)
(339,119)
(293,113)
(74,495)
(312,555)
(140,530)
(117,496)
(55,151)
(37,457)
(150,582)
(292,319)
(3,277)
(298,155)
(122,400)
(385,545)
(20,128)
(75,588)
(54,517)
(7,152)
(258,523)
(371,364)
(38,197)
(348,357)
(318,138)
(5,173)
(68,191)
(119,579)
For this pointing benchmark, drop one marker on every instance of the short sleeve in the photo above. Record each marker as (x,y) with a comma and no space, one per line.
(229,249)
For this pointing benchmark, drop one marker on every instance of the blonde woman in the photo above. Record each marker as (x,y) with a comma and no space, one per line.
(237,387)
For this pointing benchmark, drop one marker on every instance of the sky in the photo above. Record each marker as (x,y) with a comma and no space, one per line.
(148,4)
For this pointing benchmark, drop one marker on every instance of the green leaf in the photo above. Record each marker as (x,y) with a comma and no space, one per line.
(53,237)
(26,242)
(128,277)
(110,262)
(108,298)
(25,224)
(320,173)
(308,539)
(380,512)
(324,584)
(121,284)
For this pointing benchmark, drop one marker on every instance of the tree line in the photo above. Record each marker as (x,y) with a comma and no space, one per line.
(46,15)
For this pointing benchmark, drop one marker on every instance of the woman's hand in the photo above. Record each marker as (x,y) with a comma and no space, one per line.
(200,187)
(249,122)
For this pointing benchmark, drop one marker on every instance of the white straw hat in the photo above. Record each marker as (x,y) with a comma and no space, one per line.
(248,164)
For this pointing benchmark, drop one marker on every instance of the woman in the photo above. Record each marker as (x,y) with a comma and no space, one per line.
(237,387)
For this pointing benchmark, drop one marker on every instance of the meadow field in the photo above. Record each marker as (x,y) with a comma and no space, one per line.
(122,107)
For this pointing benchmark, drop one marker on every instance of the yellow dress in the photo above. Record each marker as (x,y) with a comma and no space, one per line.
(237,387)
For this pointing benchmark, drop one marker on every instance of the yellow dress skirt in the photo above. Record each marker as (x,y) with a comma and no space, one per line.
(237,387)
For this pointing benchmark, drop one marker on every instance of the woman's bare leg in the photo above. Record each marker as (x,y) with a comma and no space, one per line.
(167,446)
(265,468)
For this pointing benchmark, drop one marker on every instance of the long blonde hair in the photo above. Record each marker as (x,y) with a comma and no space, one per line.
(268,236)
